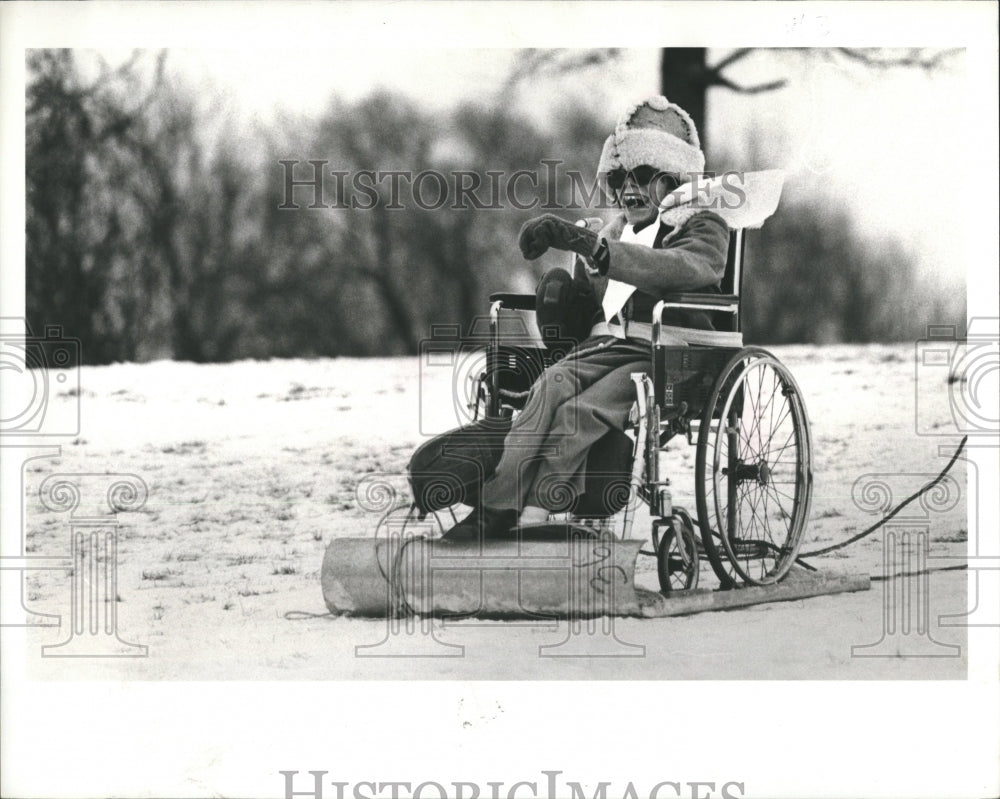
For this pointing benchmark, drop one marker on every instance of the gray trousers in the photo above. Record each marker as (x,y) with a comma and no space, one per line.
(570,407)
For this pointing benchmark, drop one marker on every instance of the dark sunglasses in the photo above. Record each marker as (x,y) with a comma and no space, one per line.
(643,175)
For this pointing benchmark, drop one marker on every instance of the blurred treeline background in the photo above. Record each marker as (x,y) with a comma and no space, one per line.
(154,229)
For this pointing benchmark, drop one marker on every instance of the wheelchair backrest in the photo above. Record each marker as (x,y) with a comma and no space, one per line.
(732,282)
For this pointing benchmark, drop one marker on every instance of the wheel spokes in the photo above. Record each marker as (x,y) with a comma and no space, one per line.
(769,437)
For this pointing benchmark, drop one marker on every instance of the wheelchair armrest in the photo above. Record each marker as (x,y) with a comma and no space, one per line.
(723,303)
(719,303)
(693,298)
(516,302)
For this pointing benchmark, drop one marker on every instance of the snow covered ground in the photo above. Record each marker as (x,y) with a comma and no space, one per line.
(253,467)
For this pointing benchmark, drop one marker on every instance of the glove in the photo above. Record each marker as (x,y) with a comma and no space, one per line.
(548,230)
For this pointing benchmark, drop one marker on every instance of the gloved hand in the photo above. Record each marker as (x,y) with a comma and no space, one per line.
(548,230)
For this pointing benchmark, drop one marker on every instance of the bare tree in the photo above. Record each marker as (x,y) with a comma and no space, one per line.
(77,157)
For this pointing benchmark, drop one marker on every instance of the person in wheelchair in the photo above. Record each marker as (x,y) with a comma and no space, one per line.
(622,270)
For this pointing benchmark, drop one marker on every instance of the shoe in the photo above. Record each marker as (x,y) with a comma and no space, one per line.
(486,522)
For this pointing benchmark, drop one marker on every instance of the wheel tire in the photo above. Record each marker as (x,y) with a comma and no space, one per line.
(677,557)
(753,458)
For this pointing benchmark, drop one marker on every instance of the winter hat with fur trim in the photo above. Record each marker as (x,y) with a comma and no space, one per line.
(654,133)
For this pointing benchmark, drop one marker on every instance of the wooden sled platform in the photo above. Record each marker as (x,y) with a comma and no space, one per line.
(799,584)
(569,578)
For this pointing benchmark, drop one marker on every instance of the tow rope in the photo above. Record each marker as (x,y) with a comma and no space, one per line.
(893,512)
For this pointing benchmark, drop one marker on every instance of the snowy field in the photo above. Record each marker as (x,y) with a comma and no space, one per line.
(253,467)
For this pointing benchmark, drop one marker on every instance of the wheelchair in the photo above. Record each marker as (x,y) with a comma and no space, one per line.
(738,405)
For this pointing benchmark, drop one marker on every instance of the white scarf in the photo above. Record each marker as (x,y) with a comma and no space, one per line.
(617,292)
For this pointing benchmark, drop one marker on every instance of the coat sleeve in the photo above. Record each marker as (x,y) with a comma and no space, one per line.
(694,259)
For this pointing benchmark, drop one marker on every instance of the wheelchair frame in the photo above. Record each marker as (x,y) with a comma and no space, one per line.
(717,393)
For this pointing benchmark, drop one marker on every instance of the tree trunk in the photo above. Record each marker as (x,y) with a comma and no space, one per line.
(684,80)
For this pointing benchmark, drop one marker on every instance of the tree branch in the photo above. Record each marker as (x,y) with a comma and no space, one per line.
(918,57)
(556,62)
(714,76)
(724,82)
(732,58)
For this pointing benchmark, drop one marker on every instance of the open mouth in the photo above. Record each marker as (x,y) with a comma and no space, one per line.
(633,201)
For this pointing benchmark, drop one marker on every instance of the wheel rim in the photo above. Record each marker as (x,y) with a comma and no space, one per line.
(754,476)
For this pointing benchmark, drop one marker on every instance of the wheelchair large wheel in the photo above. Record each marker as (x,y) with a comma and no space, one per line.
(753,470)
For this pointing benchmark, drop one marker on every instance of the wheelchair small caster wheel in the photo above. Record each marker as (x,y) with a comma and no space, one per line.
(677,557)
